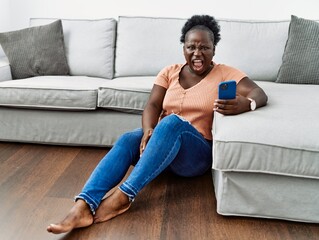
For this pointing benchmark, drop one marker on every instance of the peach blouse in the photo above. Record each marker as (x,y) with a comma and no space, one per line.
(194,104)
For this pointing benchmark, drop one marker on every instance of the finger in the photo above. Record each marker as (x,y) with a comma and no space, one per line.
(221,101)
(226,111)
(142,148)
(222,106)
(149,135)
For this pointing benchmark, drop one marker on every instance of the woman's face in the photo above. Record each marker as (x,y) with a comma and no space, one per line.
(198,51)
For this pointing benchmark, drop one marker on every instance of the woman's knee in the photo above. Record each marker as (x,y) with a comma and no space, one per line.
(173,121)
(130,138)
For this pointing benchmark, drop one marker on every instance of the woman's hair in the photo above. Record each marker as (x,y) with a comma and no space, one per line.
(203,22)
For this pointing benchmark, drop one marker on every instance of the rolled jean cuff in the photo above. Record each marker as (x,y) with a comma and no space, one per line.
(89,201)
(127,190)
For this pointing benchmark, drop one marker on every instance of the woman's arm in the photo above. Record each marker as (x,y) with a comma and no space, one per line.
(246,88)
(151,113)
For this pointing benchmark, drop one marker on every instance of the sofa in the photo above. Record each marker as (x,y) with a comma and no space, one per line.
(265,162)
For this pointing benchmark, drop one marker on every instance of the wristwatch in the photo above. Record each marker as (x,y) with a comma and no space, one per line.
(252,104)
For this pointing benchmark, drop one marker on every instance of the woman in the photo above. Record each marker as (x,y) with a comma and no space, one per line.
(176,128)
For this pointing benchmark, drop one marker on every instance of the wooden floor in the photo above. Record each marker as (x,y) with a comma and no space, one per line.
(38,183)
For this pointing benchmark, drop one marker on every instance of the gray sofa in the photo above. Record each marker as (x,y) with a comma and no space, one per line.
(266,162)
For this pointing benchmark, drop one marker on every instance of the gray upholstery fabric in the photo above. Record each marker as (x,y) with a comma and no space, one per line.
(126,94)
(266,195)
(93,128)
(5,72)
(280,138)
(89,45)
(146,49)
(36,51)
(300,63)
(266,162)
(244,45)
(51,92)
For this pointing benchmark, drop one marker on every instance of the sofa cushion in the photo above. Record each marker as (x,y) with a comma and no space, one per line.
(255,47)
(126,94)
(300,63)
(146,44)
(89,45)
(2,54)
(275,139)
(36,51)
(51,92)
(5,71)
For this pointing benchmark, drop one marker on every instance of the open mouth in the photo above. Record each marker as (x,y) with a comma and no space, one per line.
(197,64)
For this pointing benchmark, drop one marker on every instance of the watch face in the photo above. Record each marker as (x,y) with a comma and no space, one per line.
(253,105)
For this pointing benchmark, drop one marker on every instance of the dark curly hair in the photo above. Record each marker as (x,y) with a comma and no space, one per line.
(204,22)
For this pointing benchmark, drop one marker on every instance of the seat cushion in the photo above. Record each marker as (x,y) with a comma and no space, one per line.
(89,45)
(126,94)
(51,92)
(280,138)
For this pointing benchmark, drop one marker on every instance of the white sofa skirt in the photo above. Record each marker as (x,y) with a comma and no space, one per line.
(92,128)
(267,196)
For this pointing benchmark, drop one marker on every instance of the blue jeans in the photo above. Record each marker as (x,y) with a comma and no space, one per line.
(175,145)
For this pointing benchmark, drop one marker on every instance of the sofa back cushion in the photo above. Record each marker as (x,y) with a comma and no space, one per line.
(5,71)
(89,45)
(255,47)
(145,45)
(2,54)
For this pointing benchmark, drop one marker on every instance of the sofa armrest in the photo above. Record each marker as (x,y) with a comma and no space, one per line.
(5,71)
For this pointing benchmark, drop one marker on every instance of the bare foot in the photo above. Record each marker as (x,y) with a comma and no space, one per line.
(79,216)
(114,205)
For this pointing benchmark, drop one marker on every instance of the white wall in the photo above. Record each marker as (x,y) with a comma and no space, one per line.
(15,14)
(4,15)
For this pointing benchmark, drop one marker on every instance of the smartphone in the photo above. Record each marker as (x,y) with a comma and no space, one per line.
(227,90)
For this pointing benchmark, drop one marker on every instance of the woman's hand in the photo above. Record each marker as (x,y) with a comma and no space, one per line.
(146,137)
(246,88)
(232,106)
(151,114)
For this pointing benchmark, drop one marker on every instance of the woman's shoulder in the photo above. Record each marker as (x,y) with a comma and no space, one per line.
(226,71)
(222,66)
(168,75)
(226,68)
(173,68)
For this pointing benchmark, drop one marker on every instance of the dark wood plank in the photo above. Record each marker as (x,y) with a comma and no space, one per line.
(38,183)
(71,181)
(35,171)
(191,201)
